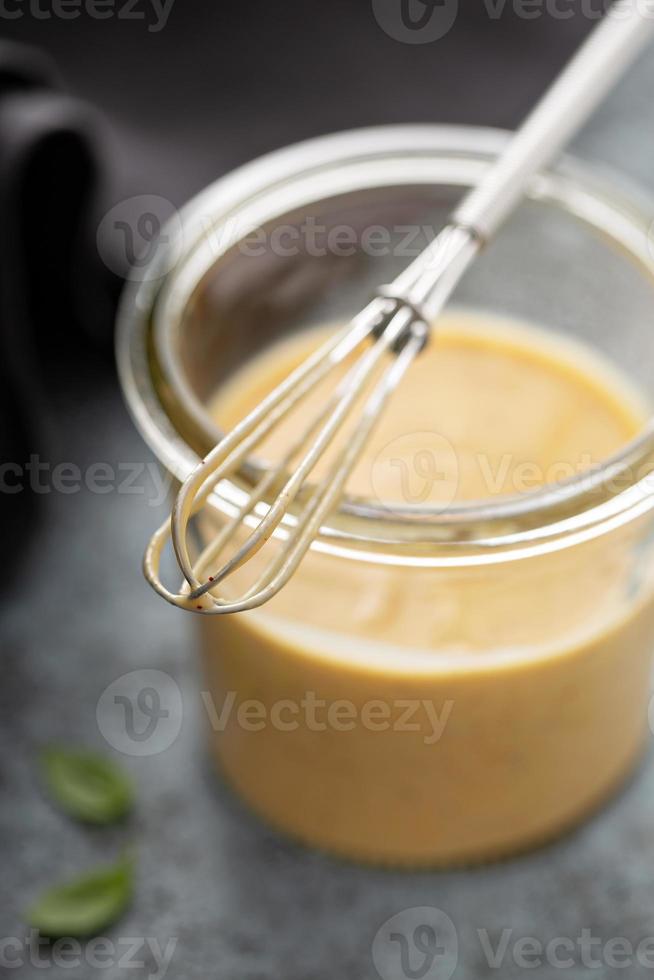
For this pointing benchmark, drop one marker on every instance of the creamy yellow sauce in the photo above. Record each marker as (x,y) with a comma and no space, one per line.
(500,407)
(523,684)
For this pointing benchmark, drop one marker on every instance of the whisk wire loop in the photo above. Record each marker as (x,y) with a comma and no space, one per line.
(392,326)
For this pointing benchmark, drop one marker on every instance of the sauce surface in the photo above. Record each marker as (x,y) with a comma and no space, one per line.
(488,408)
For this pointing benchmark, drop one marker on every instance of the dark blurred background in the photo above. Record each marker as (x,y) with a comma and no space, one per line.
(154,101)
(190,97)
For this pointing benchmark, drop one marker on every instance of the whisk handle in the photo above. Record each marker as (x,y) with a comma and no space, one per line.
(570,100)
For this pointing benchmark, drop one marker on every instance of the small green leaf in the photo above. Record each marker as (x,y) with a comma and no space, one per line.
(86,906)
(87,786)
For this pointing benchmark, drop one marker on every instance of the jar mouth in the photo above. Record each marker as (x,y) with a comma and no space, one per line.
(553,516)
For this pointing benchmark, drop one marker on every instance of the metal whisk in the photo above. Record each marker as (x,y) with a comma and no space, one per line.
(393,327)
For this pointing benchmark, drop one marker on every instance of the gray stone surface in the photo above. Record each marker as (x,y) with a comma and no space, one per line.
(241,902)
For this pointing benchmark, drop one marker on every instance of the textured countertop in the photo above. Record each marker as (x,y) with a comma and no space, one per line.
(239,901)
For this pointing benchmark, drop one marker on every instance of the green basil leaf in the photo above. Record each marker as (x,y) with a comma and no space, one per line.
(85,906)
(87,786)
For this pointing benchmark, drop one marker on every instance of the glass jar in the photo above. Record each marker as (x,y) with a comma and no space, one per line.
(529,706)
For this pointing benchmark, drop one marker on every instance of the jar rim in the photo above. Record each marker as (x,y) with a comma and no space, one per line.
(549,518)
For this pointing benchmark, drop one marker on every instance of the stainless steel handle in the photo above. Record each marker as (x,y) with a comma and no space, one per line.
(578,90)
(429,280)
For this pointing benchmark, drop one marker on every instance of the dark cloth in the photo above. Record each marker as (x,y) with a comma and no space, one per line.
(55,294)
